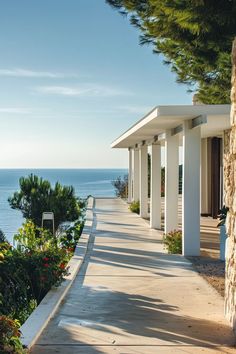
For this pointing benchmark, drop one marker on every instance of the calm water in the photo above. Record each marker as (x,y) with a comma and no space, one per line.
(96,182)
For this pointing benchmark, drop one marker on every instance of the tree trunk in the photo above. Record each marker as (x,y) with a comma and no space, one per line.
(230,201)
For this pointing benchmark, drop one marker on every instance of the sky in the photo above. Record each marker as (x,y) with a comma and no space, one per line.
(73,77)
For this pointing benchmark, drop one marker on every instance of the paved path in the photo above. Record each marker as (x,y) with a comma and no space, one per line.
(131,297)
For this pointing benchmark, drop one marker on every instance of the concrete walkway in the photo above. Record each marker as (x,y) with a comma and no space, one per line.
(131,297)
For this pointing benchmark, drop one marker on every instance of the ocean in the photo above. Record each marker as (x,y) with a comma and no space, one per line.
(96,182)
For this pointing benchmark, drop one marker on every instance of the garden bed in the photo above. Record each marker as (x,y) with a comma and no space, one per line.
(40,317)
(36,274)
(211,269)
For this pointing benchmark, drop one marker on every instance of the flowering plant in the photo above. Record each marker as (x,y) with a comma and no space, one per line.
(173,242)
(45,270)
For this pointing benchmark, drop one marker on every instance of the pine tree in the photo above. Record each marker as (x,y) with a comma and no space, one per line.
(195,37)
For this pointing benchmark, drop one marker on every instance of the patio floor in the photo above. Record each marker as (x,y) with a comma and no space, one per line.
(132,297)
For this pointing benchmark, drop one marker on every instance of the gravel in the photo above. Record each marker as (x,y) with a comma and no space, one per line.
(213,270)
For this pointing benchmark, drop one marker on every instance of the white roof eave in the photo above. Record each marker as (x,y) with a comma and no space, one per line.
(162,118)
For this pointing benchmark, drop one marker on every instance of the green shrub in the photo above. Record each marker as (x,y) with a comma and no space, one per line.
(25,278)
(15,298)
(222,216)
(45,269)
(70,235)
(83,202)
(121,186)
(32,238)
(42,257)
(135,207)
(2,237)
(5,249)
(173,242)
(36,196)
(10,336)
(28,272)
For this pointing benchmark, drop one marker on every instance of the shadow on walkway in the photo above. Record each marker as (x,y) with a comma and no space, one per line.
(131,297)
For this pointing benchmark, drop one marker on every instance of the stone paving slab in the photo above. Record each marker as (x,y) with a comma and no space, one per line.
(131,297)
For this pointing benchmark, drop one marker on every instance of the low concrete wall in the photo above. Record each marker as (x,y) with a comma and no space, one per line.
(40,317)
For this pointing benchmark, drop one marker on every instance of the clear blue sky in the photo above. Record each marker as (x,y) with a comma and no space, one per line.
(72,78)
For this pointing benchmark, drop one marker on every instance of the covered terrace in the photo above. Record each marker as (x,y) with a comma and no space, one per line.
(191,135)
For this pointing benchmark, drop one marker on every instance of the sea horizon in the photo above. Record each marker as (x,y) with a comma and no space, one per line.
(86,181)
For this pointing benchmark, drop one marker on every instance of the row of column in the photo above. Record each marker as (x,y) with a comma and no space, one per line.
(138,184)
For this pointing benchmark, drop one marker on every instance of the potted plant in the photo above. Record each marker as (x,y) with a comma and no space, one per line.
(223,235)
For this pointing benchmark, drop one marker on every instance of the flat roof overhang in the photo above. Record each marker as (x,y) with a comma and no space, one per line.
(162,118)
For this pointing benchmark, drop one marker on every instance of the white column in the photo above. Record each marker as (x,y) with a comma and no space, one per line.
(130,175)
(155,203)
(205,176)
(222,173)
(171,181)
(191,190)
(143,184)
(136,175)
